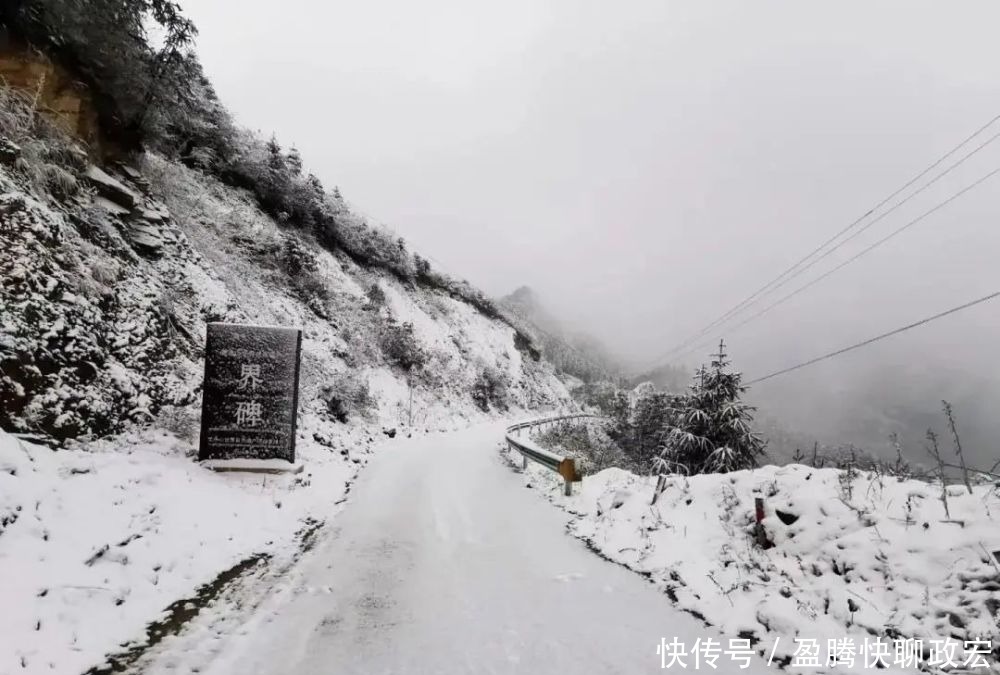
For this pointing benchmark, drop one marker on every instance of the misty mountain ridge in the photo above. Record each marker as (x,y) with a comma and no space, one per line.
(573,352)
(669,378)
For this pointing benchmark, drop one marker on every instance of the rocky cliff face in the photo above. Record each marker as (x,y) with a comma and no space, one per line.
(54,92)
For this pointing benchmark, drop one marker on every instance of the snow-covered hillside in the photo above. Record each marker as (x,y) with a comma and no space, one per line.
(99,330)
(855,557)
(102,323)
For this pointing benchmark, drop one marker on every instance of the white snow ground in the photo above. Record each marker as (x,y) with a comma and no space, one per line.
(96,540)
(441,562)
(94,545)
(865,557)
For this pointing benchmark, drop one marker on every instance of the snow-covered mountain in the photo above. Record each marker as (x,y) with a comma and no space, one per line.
(110,274)
(574,353)
(105,304)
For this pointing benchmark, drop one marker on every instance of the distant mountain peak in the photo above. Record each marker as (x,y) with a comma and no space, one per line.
(523,296)
(573,352)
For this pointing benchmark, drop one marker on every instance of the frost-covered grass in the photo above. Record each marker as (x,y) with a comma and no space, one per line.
(47,157)
(862,555)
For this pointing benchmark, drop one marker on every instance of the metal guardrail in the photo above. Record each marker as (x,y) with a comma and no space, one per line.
(564,466)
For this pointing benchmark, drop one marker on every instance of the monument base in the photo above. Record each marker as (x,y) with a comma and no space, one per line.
(253,465)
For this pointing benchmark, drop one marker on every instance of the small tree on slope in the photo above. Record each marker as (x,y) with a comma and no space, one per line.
(710,431)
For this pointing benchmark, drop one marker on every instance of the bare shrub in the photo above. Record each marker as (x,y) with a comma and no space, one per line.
(587,442)
(934,451)
(952,425)
(295,259)
(400,345)
(348,396)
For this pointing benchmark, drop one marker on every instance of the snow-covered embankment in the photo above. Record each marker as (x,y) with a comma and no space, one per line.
(853,557)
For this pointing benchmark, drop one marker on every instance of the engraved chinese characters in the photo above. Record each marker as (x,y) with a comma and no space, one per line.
(251,392)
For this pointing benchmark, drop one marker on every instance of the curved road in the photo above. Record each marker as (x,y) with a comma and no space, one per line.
(444,563)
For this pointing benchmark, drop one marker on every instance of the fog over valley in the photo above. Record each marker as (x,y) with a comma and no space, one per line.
(646,167)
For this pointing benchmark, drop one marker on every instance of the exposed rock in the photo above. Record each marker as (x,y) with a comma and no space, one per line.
(134,176)
(151,216)
(111,207)
(111,188)
(146,237)
(130,172)
(9,151)
(87,371)
(149,229)
(60,97)
(154,212)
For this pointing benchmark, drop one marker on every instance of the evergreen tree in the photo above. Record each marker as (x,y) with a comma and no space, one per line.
(422,265)
(649,418)
(137,87)
(294,161)
(616,406)
(276,159)
(711,427)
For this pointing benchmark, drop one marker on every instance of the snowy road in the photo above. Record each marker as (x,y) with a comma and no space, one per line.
(443,563)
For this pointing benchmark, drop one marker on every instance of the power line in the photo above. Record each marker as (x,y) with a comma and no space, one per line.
(855,234)
(781,279)
(869,341)
(847,262)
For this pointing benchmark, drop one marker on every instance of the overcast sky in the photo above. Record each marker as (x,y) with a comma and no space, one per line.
(645,165)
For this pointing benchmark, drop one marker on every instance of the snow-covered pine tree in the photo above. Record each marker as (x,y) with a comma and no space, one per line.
(711,426)
(650,416)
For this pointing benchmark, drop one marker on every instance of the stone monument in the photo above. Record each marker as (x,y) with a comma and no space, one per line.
(251,393)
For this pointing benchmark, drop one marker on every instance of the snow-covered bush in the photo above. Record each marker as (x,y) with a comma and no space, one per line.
(652,413)
(348,395)
(276,180)
(376,297)
(421,266)
(637,421)
(585,441)
(400,345)
(299,263)
(604,396)
(490,389)
(370,246)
